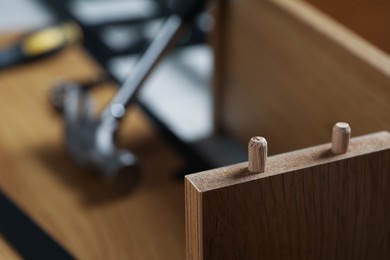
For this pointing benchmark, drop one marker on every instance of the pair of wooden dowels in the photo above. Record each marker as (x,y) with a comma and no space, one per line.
(257,147)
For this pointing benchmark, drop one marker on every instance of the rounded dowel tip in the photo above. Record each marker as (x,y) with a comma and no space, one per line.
(257,154)
(340,137)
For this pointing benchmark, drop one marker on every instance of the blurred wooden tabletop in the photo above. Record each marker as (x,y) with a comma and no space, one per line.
(73,206)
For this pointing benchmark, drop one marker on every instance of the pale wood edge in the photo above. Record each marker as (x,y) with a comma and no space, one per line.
(336,32)
(7,251)
(193,222)
(287,162)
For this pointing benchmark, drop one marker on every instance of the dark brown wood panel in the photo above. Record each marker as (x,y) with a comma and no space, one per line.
(308,204)
(290,70)
(369,19)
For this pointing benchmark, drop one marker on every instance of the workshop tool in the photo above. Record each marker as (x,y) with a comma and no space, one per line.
(91,140)
(40,43)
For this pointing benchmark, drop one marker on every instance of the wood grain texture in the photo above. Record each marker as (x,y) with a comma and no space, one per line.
(193,209)
(257,154)
(367,18)
(73,206)
(310,204)
(6,251)
(287,65)
(217,38)
(341,133)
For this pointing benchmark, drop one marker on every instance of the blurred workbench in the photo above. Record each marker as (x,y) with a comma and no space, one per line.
(90,220)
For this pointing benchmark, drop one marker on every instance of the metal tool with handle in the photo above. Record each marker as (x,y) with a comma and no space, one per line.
(40,43)
(91,140)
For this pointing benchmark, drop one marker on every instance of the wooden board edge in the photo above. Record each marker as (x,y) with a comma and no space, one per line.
(193,221)
(218,42)
(287,162)
(337,33)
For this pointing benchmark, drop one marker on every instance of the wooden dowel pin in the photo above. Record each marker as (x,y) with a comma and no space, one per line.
(340,138)
(257,154)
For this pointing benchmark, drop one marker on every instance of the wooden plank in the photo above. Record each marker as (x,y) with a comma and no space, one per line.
(73,206)
(217,37)
(368,19)
(288,65)
(193,208)
(309,204)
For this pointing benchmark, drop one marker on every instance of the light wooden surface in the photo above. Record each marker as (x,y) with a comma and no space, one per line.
(257,154)
(309,204)
(290,70)
(71,205)
(341,133)
(6,250)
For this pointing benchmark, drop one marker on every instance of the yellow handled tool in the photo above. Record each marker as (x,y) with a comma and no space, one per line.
(41,43)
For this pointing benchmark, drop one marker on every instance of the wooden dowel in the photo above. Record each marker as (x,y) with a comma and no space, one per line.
(340,137)
(257,154)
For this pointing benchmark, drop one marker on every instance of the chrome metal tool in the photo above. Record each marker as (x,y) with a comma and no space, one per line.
(90,139)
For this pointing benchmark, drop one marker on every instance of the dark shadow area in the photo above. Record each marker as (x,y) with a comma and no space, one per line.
(30,241)
(85,181)
(326,154)
(242,173)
